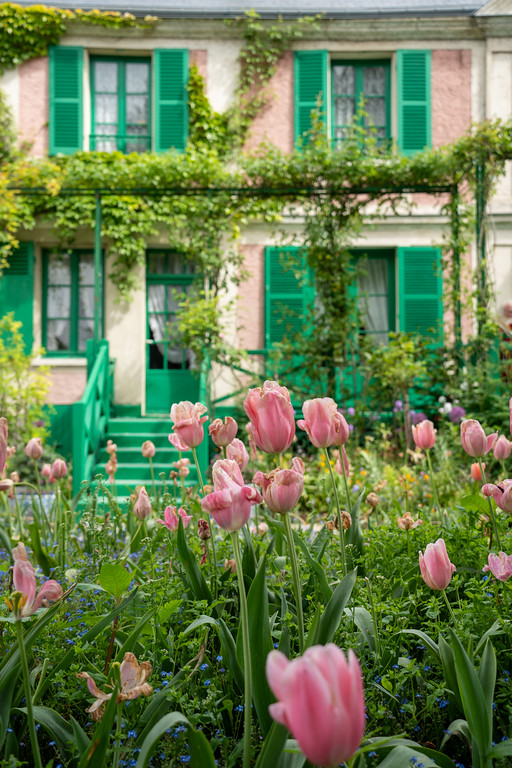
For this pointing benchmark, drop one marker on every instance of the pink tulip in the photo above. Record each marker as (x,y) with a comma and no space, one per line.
(323,422)
(473,438)
(435,565)
(24,581)
(252,445)
(320,701)
(236,451)
(46,470)
(172,520)
(223,432)
(502,494)
(188,422)
(182,467)
(510,412)
(499,565)
(4,436)
(230,503)
(34,448)
(59,469)
(142,507)
(424,435)
(282,488)
(271,413)
(148,449)
(502,448)
(338,466)
(177,443)
(476,472)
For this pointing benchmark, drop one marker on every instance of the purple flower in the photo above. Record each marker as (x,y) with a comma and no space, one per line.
(398,406)
(351,411)
(456,414)
(417,417)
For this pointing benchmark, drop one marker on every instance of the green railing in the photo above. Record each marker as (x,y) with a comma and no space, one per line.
(91,413)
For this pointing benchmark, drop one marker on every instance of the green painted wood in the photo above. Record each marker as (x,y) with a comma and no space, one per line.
(171,99)
(420,292)
(413,102)
(66,108)
(362,94)
(17,290)
(310,87)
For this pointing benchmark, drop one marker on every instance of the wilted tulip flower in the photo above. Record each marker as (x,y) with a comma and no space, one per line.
(435,566)
(24,583)
(230,503)
(133,684)
(188,421)
(111,447)
(476,472)
(59,469)
(502,494)
(236,451)
(148,449)
(424,435)
(34,448)
(172,521)
(142,507)
(499,565)
(320,700)
(502,448)
(323,422)
(223,432)
(271,413)
(4,437)
(230,565)
(474,440)
(203,529)
(282,488)
(346,522)
(407,522)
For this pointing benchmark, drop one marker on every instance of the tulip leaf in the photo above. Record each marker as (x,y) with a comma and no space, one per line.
(458,728)
(333,612)
(403,757)
(201,755)
(312,636)
(132,638)
(7,693)
(504,749)
(114,579)
(450,675)
(229,649)
(487,674)
(431,645)
(315,565)
(44,560)
(59,729)
(193,573)
(364,622)
(80,738)
(100,741)
(272,746)
(495,629)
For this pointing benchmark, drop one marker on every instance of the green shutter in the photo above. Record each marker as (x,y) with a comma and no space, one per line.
(420,291)
(66,117)
(310,81)
(414,112)
(286,298)
(17,290)
(171,99)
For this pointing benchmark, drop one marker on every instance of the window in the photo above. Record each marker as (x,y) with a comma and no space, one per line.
(376,294)
(68,301)
(360,93)
(120,104)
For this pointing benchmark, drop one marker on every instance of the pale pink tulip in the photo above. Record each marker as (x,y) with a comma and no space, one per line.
(271,413)
(148,449)
(323,422)
(502,494)
(46,470)
(172,520)
(223,432)
(338,466)
(4,436)
(230,503)
(133,684)
(435,566)
(34,448)
(59,469)
(188,421)
(502,448)
(177,443)
(474,440)
(142,507)
(282,488)
(499,565)
(424,435)
(320,700)
(182,467)
(24,581)
(236,451)
(252,445)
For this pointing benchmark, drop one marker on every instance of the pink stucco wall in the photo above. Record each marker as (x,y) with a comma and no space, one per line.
(275,121)
(251,297)
(33,105)
(67,386)
(451,95)
(199,60)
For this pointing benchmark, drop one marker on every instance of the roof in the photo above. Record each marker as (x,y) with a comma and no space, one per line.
(349,9)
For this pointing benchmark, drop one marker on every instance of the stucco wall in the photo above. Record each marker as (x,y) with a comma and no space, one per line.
(67,385)
(275,121)
(251,297)
(199,59)
(451,95)
(33,105)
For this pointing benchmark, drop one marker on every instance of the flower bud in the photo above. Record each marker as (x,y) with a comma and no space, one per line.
(34,448)
(15,477)
(59,469)
(46,470)
(142,507)
(373,500)
(230,564)
(6,484)
(346,521)
(476,472)
(111,447)
(148,449)
(502,448)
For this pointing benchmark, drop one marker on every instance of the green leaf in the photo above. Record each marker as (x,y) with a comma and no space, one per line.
(193,573)
(487,674)
(458,728)
(201,755)
(364,622)
(5,702)
(504,749)
(249,562)
(331,617)
(495,629)
(58,728)
(229,650)
(315,566)
(314,628)
(133,637)
(474,501)
(100,741)
(45,561)
(272,746)
(450,676)
(114,579)
(400,757)
(80,738)
(433,647)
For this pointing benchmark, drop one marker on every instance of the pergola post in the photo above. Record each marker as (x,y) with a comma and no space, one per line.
(97,272)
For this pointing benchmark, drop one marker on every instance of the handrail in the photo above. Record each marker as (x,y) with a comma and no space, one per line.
(90,414)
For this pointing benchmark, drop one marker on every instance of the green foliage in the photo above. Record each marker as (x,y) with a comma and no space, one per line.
(7,136)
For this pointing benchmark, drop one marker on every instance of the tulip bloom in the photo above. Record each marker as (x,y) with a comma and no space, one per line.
(230,503)
(323,422)
(476,472)
(236,451)
(339,467)
(148,449)
(424,435)
(320,701)
(177,443)
(499,565)
(223,432)
(271,413)
(34,448)
(172,520)
(142,507)
(188,422)
(59,469)
(4,437)
(473,438)
(133,684)
(502,494)
(24,581)
(502,448)
(282,488)
(435,566)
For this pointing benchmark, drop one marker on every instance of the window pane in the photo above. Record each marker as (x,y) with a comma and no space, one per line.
(156,263)
(156,298)
(344,79)
(137,145)
(58,302)
(59,269)
(172,301)
(137,77)
(105,108)
(85,331)
(376,112)
(104,145)
(86,268)
(86,302)
(105,76)
(137,110)
(57,335)
(373,295)
(344,110)
(374,81)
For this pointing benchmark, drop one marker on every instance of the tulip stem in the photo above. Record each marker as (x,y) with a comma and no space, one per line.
(153,482)
(247,651)
(296,579)
(433,484)
(338,509)
(119,733)
(491,510)
(213,583)
(18,511)
(28,695)
(450,609)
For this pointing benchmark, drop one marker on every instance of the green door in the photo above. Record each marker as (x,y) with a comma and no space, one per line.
(170,375)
